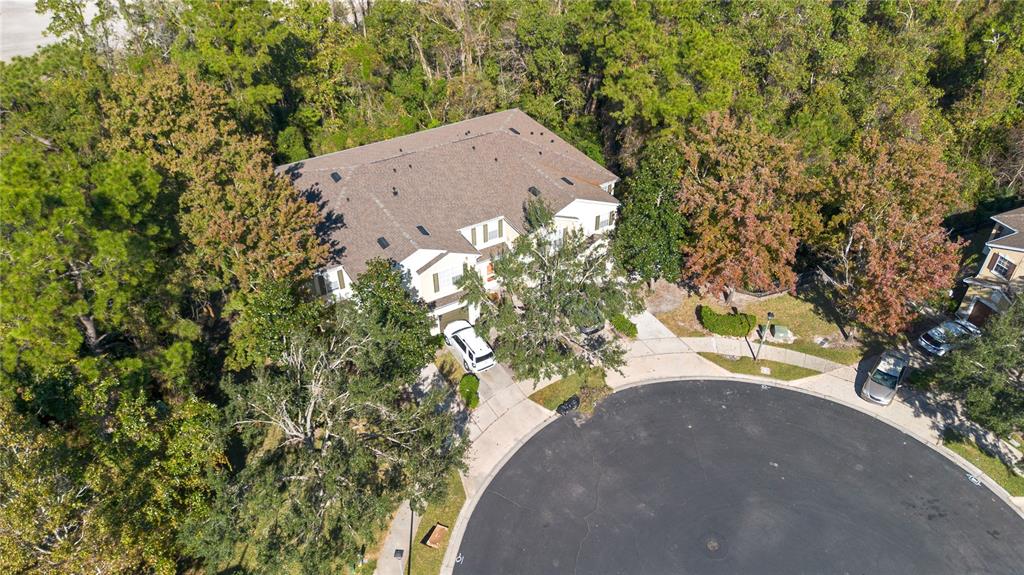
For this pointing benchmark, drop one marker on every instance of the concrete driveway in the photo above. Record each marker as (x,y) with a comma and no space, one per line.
(493,381)
(723,477)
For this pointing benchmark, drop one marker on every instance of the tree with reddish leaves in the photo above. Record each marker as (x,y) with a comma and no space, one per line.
(748,203)
(884,245)
(244,224)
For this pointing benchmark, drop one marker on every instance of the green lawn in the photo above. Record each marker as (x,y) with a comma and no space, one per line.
(992,466)
(846,355)
(427,561)
(799,315)
(747,366)
(449,367)
(590,386)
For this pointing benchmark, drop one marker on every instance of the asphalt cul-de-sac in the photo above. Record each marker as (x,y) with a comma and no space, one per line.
(721,477)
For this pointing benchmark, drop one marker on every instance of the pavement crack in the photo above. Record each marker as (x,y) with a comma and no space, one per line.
(516,503)
(579,548)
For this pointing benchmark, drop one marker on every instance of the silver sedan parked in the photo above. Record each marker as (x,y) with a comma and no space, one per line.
(947,336)
(886,378)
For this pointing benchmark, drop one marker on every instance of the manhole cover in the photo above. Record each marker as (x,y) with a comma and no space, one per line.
(714,545)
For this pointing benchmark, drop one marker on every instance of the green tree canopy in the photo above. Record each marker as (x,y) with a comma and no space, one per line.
(333,445)
(988,374)
(553,282)
(650,231)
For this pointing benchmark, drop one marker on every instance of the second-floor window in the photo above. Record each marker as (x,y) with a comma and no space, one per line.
(446,279)
(603,220)
(1002,267)
(489,232)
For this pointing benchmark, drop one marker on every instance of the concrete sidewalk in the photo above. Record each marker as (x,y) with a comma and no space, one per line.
(507,418)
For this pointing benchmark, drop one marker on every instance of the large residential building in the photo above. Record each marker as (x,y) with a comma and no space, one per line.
(453,196)
(1001,276)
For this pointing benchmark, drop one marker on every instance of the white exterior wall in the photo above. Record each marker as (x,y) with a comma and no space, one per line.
(508,233)
(451,262)
(583,214)
(331,274)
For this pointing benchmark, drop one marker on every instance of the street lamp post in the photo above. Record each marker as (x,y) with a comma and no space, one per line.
(767,327)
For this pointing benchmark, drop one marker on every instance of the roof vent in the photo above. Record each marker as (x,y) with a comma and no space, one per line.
(336,177)
(383,243)
(495,159)
(394,191)
(535,191)
(467,132)
(423,230)
(395,170)
(514,131)
(568,181)
(540,152)
(552,141)
(474,146)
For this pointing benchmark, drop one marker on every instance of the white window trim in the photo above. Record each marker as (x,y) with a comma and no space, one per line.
(446,278)
(1000,260)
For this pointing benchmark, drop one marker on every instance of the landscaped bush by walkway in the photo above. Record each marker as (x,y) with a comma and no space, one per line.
(732,324)
(469,386)
(622,325)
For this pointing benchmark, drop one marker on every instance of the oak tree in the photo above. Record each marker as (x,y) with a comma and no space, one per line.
(748,203)
(884,245)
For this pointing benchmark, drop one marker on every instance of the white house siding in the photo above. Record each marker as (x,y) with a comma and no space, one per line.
(586,213)
(447,266)
(507,233)
(339,288)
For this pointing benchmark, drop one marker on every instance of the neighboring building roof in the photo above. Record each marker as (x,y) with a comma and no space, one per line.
(390,198)
(1013,219)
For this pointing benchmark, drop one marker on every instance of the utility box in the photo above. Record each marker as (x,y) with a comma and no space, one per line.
(438,533)
(781,332)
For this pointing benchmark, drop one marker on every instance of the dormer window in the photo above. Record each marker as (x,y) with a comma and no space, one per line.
(492,232)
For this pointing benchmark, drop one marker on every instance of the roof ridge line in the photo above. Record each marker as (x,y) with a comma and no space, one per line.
(507,111)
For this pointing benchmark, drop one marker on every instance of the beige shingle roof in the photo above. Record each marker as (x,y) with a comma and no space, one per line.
(441,180)
(1013,219)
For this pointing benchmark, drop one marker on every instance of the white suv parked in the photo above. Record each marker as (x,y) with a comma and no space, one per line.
(476,355)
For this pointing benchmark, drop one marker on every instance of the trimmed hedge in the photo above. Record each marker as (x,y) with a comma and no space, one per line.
(469,387)
(732,324)
(622,325)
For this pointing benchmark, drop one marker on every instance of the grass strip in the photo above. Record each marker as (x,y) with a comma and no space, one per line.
(426,560)
(747,366)
(589,385)
(991,465)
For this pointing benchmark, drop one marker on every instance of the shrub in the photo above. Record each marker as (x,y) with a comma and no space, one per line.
(437,341)
(622,325)
(733,324)
(469,386)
